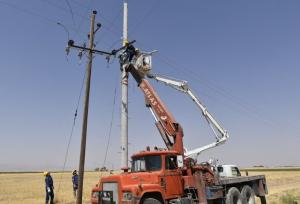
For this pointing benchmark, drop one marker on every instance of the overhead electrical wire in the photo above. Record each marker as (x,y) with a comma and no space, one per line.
(147,14)
(65,9)
(206,82)
(221,91)
(88,11)
(35,14)
(50,20)
(110,127)
(14,6)
(112,24)
(187,72)
(71,11)
(72,130)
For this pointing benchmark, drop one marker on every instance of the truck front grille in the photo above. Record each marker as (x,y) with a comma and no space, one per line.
(109,194)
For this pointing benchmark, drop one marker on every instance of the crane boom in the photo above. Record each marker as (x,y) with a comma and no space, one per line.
(165,122)
(220,133)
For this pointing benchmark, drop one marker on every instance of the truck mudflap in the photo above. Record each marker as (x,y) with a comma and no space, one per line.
(214,192)
(261,189)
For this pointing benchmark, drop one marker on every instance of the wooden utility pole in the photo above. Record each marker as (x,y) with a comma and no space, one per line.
(86,110)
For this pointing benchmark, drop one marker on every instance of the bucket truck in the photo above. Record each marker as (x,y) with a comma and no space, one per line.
(171,174)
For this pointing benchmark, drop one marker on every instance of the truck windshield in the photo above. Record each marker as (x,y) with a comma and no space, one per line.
(146,163)
(235,171)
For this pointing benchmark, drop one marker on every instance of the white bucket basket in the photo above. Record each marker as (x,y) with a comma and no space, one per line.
(144,64)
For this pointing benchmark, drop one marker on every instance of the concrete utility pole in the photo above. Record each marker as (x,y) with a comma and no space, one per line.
(124,100)
(86,110)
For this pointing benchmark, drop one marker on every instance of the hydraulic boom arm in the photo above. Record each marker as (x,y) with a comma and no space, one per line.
(220,133)
(169,129)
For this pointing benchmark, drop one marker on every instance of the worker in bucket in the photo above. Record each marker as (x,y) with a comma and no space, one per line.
(128,53)
(49,187)
(75,182)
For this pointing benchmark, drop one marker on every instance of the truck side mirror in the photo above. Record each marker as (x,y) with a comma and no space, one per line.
(180,161)
(125,169)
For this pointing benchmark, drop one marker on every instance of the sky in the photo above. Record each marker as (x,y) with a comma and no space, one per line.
(241,58)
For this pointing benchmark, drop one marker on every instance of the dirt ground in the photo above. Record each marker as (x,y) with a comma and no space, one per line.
(29,188)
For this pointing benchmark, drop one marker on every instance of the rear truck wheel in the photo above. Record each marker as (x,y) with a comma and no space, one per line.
(233,196)
(248,195)
(151,201)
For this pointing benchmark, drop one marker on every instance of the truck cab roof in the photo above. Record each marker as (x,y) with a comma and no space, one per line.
(154,152)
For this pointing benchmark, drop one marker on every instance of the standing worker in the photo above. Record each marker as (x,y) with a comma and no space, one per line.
(75,182)
(49,187)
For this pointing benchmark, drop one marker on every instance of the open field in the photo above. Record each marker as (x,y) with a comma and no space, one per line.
(283,184)
(28,188)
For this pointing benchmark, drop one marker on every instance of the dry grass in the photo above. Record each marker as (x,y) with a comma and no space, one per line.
(283,186)
(29,188)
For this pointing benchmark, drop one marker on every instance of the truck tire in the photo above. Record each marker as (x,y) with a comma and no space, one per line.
(151,201)
(233,196)
(248,195)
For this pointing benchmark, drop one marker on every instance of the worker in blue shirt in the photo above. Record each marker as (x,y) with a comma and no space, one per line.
(75,182)
(49,187)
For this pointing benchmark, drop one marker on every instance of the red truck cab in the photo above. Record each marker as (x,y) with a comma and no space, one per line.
(154,174)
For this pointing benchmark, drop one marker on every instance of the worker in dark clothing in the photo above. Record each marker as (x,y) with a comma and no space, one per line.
(75,182)
(128,53)
(131,52)
(49,187)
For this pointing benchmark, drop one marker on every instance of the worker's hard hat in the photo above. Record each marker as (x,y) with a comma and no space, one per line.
(74,172)
(125,42)
(46,173)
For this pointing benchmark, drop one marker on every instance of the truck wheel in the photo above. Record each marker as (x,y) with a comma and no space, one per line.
(248,195)
(151,201)
(233,196)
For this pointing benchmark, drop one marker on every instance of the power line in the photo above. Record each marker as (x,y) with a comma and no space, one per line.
(110,127)
(35,14)
(72,130)
(248,108)
(28,12)
(65,9)
(112,24)
(222,92)
(88,10)
(205,81)
(50,20)
(65,28)
(71,11)
(141,20)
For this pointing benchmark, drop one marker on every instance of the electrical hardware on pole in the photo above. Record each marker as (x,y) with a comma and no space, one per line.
(91,50)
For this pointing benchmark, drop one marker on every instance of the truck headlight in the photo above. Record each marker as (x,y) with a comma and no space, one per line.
(127,195)
(95,194)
